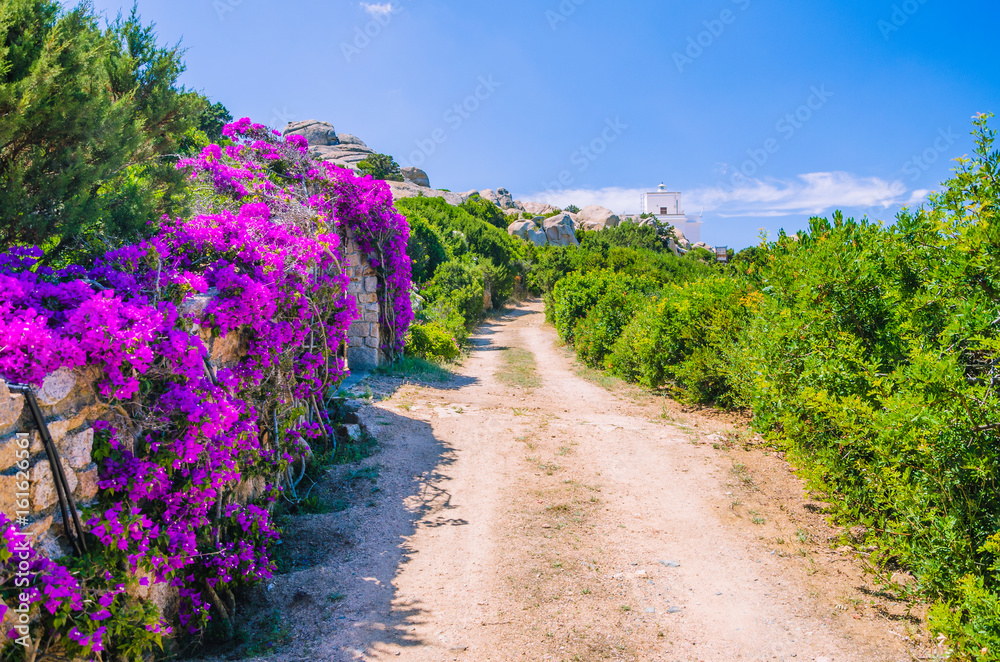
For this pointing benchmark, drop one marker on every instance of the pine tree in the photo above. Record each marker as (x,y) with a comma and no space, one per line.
(381,166)
(91,122)
(61,133)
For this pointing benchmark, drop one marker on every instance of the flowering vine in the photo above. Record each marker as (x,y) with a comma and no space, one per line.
(261,266)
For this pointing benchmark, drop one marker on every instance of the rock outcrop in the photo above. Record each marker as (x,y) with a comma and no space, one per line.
(416,176)
(560,230)
(529,231)
(326,144)
(682,241)
(319,134)
(541,231)
(343,149)
(539,208)
(501,198)
(596,217)
(411,190)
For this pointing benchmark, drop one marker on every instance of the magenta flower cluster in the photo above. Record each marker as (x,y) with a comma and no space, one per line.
(263,266)
(382,234)
(58,592)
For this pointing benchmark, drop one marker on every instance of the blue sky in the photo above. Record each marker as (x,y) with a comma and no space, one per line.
(762,113)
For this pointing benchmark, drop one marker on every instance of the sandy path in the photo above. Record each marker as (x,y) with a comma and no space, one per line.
(563,523)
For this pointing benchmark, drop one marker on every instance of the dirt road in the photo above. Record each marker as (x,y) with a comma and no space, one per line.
(521,516)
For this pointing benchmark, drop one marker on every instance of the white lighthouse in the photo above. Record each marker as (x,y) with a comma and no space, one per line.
(666,207)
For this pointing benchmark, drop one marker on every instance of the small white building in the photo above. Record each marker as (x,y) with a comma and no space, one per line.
(666,207)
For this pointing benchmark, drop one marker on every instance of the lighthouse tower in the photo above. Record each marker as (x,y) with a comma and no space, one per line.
(666,207)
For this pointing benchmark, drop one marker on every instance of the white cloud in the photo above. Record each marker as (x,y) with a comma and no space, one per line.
(619,200)
(378,9)
(919,196)
(812,193)
(806,195)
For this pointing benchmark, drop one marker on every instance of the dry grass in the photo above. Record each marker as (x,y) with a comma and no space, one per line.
(519,369)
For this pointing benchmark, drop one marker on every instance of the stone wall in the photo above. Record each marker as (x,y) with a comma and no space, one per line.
(69,403)
(364,349)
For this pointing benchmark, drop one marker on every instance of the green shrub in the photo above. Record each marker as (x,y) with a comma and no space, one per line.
(457,287)
(626,235)
(871,353)
(500,279)
(868,357)
(427,248)
(446,313)
(630,356)
(381,166)
(597,333)
(678,342)
(697,321)
(551,264)
(701,255)
(573,297)
(970,622)
(486,211)
(483,239)
(466,235)
(432,341)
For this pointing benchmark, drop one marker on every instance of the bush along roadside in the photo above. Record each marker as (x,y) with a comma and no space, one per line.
(464,266)
(184,437)
(871,354)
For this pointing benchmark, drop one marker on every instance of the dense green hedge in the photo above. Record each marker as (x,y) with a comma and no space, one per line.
(427,248)
(459,253)
(614,252)
(678,339)
(871,353)
(432,341)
